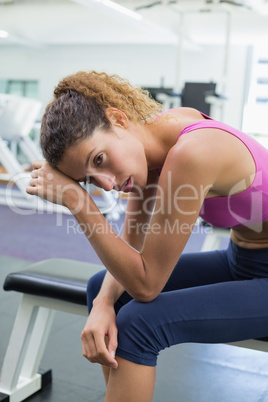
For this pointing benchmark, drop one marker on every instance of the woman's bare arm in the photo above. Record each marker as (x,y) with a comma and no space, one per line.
(138,214)
(99,336)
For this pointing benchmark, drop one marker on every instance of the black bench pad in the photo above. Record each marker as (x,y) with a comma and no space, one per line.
(54,278)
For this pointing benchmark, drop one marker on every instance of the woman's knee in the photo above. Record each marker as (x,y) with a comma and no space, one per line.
(93,287)
(137,339)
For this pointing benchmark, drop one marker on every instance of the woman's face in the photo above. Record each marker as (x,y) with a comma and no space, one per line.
(109,160)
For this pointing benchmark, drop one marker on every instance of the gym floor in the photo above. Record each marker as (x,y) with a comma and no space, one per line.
(186,373)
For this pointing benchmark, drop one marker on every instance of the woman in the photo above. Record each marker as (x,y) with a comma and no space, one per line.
(175,166)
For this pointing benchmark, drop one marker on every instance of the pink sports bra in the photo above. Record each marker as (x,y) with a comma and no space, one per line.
(249,207)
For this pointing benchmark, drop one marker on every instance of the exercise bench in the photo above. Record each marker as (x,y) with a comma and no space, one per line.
(49,285)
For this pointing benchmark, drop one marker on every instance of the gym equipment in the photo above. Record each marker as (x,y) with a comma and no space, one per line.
(194,94)
(17,118)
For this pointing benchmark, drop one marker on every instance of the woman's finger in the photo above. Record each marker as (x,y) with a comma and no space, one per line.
(32,190)
(112,344)
(34,174)
(104,356)
(33,182)
(89,348)
(38,164)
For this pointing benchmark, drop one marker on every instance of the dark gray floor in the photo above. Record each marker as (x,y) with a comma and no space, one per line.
(186,373)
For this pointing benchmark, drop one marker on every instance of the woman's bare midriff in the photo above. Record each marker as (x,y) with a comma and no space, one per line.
(252,237)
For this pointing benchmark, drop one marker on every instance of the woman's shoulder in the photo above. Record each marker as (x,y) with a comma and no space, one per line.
(186,113)
(206,148)
(213,153)
(172,122)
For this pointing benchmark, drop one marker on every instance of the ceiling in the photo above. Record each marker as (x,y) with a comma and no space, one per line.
(42,23)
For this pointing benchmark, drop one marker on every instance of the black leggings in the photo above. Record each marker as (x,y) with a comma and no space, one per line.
(211,297)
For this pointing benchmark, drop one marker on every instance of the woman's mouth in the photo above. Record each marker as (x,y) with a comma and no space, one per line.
(127,186)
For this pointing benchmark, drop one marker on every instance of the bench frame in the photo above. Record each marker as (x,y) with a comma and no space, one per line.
(19,375)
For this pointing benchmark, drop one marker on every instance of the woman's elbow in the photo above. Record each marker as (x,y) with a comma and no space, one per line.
(146,289)
(145,295)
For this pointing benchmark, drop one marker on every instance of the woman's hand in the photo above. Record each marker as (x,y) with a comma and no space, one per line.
(52,185)
(99,337)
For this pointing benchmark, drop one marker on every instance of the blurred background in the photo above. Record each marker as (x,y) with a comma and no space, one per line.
(207,54)
(159,44)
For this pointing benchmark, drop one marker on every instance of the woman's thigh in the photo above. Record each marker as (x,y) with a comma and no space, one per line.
(215,313)
(198,269)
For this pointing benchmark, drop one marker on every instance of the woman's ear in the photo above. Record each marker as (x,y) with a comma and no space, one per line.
(117,117)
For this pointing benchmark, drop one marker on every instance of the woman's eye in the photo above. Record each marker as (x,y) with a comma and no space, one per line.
(99,159)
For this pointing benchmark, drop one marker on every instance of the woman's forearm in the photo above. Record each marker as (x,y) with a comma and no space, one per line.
(110,291)
(123,262)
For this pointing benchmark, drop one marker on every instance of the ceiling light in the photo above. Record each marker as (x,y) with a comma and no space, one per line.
(3,34)
(106,4)
(260,6)
(122,9)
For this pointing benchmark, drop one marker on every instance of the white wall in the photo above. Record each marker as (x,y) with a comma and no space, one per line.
(144,65)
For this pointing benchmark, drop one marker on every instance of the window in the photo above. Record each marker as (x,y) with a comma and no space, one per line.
(28,88)
(255,120)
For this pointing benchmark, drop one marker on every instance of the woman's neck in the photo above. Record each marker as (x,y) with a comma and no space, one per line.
(161,135)
(159,138)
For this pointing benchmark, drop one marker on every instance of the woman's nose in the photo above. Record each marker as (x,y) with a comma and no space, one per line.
(105,181)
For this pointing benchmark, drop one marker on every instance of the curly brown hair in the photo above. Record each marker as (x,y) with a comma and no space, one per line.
(78,108)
